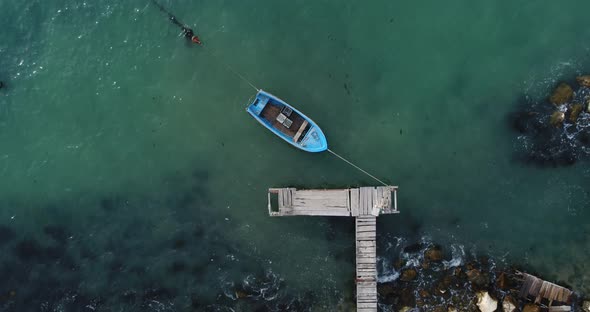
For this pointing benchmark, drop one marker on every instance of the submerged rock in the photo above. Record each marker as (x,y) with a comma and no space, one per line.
(413,248)
(562,94)
(584,81)
(29,249)
(6,234)
(477,279)
(508,304)
(575,111)
(503,282)
(439,308)
(529,307)
(485,302)
(424,293)
(240,294)
(408,275)
(557,118)
(433,254)
(57,233)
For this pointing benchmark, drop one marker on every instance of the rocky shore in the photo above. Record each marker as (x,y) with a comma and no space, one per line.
(555,131)
(437,284)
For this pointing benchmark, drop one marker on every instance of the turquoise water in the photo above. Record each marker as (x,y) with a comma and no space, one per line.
(133,179)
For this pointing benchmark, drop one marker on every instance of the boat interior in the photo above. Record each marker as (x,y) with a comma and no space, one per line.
(286,120)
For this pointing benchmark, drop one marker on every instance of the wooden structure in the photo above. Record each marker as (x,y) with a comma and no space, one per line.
(557,298)
(354,202)
(365,204)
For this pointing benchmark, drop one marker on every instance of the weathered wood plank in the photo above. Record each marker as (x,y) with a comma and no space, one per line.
(524,290)
(354,202)
(366,228)
(534,290)
(395,200)
(320,212)
(368,200)
(366,243)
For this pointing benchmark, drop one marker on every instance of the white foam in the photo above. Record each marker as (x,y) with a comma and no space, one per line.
(458,256)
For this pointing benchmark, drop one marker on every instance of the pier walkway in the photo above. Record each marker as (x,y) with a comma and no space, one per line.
(365,204)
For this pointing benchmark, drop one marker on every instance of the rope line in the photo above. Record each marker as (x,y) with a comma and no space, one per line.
(357,167)
(231,69)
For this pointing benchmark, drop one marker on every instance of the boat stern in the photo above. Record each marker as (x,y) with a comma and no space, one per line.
(257,105)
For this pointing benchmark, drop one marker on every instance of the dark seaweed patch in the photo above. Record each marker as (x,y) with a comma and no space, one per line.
(109,204)
(6,234)
(29,249)
(55,252)
(177,267)
(414,248)
(179,243)
(58,233)
(159,293)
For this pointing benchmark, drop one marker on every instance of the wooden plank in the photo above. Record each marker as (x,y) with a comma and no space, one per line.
(291,192)
(371,191)
(320,212)
(564,295)
(366,206)
(395,199)
(376,198)
(368,200)
(367,251)
(280,198)
(560,309)
(365,300)
(365,266)
(366,243)
(552,293)
(366,260)
(524,289)
(536,287)
(354,202)
(366,228)
(362,201)
(532,287)
(541,292)
(365,291)
(300,131)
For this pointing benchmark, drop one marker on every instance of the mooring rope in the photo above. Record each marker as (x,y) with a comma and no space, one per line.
(357,167)
(231,69)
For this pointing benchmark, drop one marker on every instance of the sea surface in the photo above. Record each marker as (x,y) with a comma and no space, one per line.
(132,179)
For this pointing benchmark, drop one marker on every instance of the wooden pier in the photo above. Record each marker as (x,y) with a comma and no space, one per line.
(365,204)
(556,298)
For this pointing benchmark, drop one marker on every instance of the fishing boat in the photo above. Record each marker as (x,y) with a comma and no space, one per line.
(287,122)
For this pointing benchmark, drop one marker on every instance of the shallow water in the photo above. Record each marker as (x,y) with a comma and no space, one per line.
(136,144)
